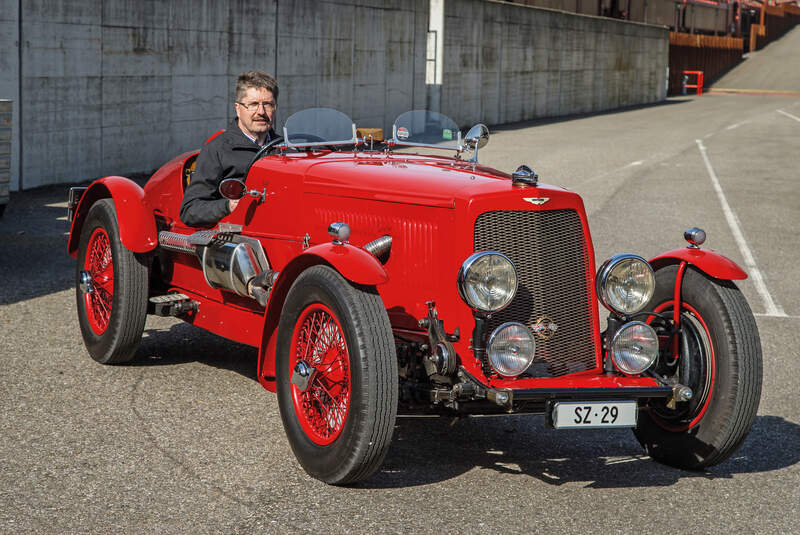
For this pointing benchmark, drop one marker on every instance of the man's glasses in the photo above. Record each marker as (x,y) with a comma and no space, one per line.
(253,106)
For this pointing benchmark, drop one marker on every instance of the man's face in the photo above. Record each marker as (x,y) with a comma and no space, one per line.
(255,111)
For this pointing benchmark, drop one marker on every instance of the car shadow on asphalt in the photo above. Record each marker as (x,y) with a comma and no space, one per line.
(182,343)
(432,450)
(428,450)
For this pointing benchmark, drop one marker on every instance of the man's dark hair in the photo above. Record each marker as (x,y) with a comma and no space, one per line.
(256,79)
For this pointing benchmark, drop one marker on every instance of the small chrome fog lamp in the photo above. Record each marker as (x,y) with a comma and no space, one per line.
(487,281)
(634,348)
(695,236)
(511,349)
(625,283)
(339,231)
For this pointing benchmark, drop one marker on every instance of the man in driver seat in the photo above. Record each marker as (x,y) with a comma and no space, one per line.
(229,154)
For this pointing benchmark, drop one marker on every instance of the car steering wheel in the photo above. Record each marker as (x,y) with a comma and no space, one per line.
(269,147)
(264,151)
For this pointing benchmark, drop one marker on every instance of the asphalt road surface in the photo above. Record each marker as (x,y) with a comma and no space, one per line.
(184,440)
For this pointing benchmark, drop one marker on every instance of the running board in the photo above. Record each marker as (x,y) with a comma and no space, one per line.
(172,305)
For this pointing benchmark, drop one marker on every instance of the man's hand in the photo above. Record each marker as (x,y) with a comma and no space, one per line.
(232,204)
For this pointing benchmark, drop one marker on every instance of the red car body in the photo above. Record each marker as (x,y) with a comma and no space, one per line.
(438,210)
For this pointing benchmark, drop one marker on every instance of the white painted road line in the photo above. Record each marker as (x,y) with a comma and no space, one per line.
(789,115)
(613,171)
(737,125)
(759,315)
(771,308)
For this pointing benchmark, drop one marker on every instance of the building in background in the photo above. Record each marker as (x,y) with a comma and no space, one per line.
(106,87)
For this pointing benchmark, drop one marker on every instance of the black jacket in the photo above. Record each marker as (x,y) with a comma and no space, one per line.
(226,156)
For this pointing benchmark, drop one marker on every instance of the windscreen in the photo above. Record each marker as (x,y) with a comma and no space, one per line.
(423,127)
(318,125)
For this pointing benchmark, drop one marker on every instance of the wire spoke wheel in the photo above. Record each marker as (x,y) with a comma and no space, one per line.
(322,407)
(336,375)
(111,288)
(100,267)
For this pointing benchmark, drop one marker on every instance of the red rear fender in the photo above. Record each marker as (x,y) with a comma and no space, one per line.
(137,226)
(707,261)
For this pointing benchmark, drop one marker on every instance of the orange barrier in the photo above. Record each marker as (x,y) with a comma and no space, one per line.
(699,84)
(697,40)
(713,55)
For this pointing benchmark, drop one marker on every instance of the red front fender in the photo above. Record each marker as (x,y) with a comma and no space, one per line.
(707,261)
(354,264)
(137,226)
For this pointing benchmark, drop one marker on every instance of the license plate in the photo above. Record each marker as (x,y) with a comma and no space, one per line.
(588,415)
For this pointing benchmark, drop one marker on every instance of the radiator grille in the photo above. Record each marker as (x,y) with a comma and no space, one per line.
(547,248)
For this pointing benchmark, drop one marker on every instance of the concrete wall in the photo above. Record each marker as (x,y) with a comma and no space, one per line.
(505,63)
(122,86)
(9,80)
(6,107)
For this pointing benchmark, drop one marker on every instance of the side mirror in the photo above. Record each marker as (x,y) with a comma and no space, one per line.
(232,188)
(477,138)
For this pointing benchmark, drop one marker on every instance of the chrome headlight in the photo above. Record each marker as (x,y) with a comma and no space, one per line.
(625,283)
(634,347)
(511,349)
(487,281)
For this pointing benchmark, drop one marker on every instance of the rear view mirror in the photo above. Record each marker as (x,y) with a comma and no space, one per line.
(477,138)
(232,188)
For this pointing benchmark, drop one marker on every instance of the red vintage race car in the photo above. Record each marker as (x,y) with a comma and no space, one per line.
(375,276)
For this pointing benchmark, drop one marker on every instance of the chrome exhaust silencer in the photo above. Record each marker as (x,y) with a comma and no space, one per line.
(230,266)
(236,263)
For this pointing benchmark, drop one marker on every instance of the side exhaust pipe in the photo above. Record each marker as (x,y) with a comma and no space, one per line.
(379,247)
(230,265)
(238,265)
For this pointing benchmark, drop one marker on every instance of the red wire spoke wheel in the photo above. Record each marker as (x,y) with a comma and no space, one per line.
(101,269)
(111,285)
(336,375)
(719,358)
(323,406)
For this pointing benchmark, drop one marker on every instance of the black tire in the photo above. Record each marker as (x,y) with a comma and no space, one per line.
(342,330)
(720,359)
(111,336)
